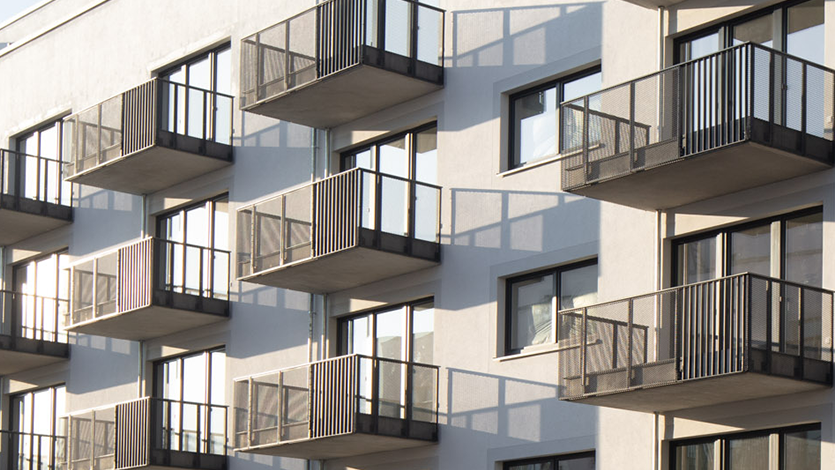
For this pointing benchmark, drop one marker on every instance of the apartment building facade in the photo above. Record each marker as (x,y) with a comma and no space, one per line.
(368,234)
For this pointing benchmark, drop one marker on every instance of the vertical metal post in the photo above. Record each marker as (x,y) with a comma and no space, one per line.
(632,156)
(287,60)
(282,238)
(801,330)
(583,343)
(629,326)
(585,137)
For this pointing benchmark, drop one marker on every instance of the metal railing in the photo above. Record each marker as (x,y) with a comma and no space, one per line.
(324,217)
(330,36)
(692,107)
(323,398)
(30,451)
(33,317)
(124,279)
(32,177)
(124,435)
(132,121)
(690,332)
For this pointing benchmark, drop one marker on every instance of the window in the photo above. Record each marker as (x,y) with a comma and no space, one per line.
(40,178)
(796,448)
(41,297)
(534,299)
(188,386)
(788,247)
(406,157)
(189,106)
(583,461)
(34,422)
(197,248)
(534,123)
(403,333)
(795,27)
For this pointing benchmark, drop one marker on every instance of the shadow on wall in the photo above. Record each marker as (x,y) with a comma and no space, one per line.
(114,363)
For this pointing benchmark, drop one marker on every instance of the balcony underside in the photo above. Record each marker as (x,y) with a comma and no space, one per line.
(175,159)
(725,170)
(654,4)
(712,390)
(170,313)
(350,268)
(22,218)
(356,443)
(18,354)
(353,92)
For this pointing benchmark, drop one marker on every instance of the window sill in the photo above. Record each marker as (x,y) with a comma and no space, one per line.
(534,164)
(529,352)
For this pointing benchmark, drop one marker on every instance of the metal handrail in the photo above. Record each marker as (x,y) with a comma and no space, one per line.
(14,327)
(44,181)
(332,359)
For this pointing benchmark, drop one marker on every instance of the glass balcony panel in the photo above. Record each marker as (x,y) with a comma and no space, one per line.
(398,27)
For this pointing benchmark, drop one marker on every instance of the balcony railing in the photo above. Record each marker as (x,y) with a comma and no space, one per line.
(149,288)
(722,328)
(30,451)
(324,220)
(33,197)
(373,403)
(148,432)
(702,108)
(31,331)
(402,39)
(150,137)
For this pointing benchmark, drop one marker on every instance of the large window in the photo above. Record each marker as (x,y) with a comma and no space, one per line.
(197,255)
(188,386)
(796,448)
(534,116)
(534,299)
(41,297)
(583,461)
(403,333)
(193,112)
(38,178)
(34,422)
(788,247)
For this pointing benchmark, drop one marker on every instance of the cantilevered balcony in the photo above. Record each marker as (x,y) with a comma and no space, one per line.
(30,451)
(149,289)
(31,332)
(33,198)
(735,338)
(351,229)
(737,119)
(149,138)
(350,405)
(343,59)
(147,433)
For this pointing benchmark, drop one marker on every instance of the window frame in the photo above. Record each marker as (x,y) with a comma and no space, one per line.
(185,65)
(557,271)
(554,460)
(14,418)
(210,204)
(157,389)
(411,148)
(559,84)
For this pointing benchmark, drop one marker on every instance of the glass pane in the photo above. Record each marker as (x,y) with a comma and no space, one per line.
(582,463)
(423,333)
(398,27)
(694,457)
(700,47)
(194,378)
(199,76)
(217,393)
(430,26)
(531,303)
(221,228)
(535,126)
(224,72)
(804,250)
(578,287)
(359,336)
(426,158)
(696,261)
(170,380)
(582,86)
(197,226)
(748,454)
(394,160)
(394,216)
(427,203)
(547,465)
(802,450)
(805,35)
(391,329)
(751,251)
(759,31)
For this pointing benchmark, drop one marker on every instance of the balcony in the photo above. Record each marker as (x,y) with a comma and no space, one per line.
(149,289)
(734,338)
(148,432)
(343,59)
(341,407)
(149,138)
(33,199)
(345,231)
(31,332)
(737,119)
(29,451)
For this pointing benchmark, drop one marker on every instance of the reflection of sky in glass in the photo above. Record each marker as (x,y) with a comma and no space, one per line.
(390,329)
(536,126)
(751,251)
(532,311)
(398,26)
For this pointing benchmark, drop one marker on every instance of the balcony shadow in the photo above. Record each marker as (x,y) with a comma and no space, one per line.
(95,208)
(114,359)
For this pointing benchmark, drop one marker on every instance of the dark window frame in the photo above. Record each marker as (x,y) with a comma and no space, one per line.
(13,419)
(208,203)
(185,65)
(556,271)
(724,438)
(559,84)
(554,460)
(409,135)
(157,365)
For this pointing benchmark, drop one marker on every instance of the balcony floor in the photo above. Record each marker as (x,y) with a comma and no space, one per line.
(151,322)
(157,167)
(725,170)
(18,354)
(24,218)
